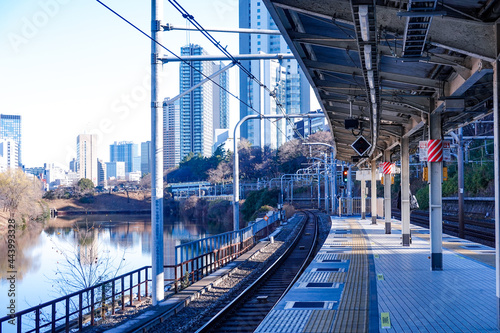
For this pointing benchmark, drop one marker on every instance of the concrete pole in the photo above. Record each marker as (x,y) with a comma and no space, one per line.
(262,104)
(319,188)
(158,293)
(374,191)
(236,178)
(281,187)
(363,199)
(461,186)
(496,143)
(327,191)
(349,191)
(435,198)
(405,190)
(387,196)
(333,183)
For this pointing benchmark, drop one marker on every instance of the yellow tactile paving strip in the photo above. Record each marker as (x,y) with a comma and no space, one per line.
(337,277)
(320,321)
(485,258)
(352,313)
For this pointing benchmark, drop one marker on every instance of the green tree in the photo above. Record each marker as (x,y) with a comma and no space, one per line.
(85,185)
(256,199)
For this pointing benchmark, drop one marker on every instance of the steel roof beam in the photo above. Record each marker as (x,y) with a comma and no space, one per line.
(464,80)
(391,77)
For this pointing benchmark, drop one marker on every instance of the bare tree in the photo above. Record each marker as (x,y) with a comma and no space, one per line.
(20,195)
(84,263)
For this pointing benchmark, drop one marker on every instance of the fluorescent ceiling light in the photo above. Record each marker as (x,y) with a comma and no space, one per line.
(363,22)
(371,82)
(372,95)
(368,56)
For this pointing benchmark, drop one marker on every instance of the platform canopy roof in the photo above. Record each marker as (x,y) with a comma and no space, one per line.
(391,63)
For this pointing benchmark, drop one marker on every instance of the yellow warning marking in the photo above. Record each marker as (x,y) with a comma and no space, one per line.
(385,319)
(380,277)
(376,256)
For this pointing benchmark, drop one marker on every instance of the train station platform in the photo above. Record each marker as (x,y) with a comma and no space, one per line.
(363,280)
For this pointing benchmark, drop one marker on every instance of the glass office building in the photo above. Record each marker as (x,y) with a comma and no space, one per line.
(10,128)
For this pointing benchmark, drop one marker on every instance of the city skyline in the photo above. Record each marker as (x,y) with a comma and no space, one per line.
(80,82)
(94,96)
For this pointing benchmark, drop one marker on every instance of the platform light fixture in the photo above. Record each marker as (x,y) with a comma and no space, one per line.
(363,22)
(371,81)
(368,56)
(372,95)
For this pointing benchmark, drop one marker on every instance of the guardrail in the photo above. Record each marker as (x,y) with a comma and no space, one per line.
(194,260)
(76,309)
(199,258)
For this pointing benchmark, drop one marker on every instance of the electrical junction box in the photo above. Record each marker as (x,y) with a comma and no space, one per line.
(351,123)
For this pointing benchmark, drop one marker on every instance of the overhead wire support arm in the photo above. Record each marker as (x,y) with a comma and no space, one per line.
(235,58)
(170,27)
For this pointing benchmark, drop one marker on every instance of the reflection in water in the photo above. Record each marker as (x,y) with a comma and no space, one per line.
(26,256)
(119,243)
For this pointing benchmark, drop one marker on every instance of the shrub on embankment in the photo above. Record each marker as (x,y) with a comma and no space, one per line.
(218,214)
(256,199)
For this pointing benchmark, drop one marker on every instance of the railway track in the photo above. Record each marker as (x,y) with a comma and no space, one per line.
(247,310)
(481,230)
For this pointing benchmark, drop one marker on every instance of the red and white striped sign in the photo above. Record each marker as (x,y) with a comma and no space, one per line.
(386,168)
(435,151)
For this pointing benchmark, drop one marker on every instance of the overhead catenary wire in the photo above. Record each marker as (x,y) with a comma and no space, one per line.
(184,61)
(185,14)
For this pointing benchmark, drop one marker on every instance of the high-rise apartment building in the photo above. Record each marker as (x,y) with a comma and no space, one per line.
(10,128)
(146,157)
(221,98)
(124,151)
(284,77)
(8,154)
(204,109)
(196,109)
(101,173)
(86,157)
(171,134)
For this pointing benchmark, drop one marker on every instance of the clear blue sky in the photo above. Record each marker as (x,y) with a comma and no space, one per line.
(70,66)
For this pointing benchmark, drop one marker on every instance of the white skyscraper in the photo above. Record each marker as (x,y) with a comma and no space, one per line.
(86,152)
(8,154)
(285,76)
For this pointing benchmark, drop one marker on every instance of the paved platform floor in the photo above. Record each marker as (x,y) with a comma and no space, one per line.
(403,294)
(333,293)
(412,298)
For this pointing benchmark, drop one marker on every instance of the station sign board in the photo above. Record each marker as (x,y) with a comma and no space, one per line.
(422,146)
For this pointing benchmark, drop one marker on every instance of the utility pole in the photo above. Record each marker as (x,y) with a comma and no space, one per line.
(236,167)
(158,293)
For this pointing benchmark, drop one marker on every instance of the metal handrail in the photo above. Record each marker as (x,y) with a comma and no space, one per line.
(227,247)
(92,306)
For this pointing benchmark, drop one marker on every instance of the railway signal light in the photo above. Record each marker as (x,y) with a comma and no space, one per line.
(344,174)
